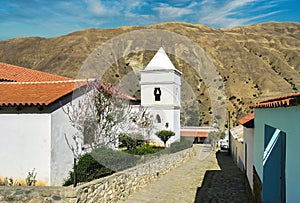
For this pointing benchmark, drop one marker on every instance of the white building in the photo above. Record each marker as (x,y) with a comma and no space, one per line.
(160,94)
(33,124)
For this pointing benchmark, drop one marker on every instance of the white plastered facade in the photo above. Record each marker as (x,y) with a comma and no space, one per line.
(160,94)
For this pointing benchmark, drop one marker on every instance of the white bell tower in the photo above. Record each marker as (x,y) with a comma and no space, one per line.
(160,93)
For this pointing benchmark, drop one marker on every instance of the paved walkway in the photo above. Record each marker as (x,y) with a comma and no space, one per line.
(207,177)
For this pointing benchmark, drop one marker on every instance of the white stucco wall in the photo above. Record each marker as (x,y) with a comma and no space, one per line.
(249,139)
(176,126)
(170,116)
(238,153)
(61,155)
(161,75)
(168,108)
(168,82)
(24,145)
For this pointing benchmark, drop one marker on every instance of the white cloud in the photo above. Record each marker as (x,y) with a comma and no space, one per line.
(234,12)
(97,8)
(168,12)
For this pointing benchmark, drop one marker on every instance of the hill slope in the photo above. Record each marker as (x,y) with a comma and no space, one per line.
(255,62)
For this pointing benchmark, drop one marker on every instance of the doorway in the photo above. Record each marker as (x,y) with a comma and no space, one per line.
(274,165)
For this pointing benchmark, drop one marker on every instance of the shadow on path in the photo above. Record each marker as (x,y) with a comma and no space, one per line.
(225,185)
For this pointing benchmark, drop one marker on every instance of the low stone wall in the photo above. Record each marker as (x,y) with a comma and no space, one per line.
(119,186)
(114,188)
(37,194)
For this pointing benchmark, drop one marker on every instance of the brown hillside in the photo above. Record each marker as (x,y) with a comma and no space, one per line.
(255,62)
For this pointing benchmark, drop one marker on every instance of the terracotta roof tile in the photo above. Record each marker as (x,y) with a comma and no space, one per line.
(23,86)
(12,73)
(287,100)
(36,93)
(247,121)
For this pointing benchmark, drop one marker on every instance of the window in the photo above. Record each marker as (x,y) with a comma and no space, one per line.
(158,119)
(157,93)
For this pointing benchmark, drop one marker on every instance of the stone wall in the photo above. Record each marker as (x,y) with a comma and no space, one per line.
(119,186)
(114,188)
(37,194)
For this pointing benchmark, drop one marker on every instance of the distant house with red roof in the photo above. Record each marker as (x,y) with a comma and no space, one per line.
(33,124)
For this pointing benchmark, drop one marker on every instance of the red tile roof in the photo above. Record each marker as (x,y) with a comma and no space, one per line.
(36,93)
(247,121)
(23,86)
(287,100)
(12,73)
(246,118)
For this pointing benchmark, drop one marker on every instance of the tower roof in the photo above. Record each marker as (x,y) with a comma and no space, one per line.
(160,61)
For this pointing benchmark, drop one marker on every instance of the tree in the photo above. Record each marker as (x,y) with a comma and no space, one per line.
(214,138)
(130,141)
(164,135)
(223,135)
(144,122)
(99,116)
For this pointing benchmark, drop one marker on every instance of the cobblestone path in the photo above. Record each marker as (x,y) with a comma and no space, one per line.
(207,177)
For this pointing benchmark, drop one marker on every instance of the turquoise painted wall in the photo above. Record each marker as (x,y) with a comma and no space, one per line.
(286,119)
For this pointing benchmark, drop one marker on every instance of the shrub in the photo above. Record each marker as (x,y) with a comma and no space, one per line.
(223,135)
(178,146)
(145,149)
(130,142)
(30,179)
(87,169)
(232,98)
(164,135)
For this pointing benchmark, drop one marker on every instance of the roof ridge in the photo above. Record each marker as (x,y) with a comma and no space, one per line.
(18,73)
(296,94)
(47,82)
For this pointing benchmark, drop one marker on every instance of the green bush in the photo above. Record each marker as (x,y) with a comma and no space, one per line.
(145,149)
(129,141)
(105,161)
(87,169)
(178,146)
(164,135)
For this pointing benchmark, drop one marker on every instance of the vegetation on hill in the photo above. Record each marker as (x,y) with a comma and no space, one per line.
(255,62)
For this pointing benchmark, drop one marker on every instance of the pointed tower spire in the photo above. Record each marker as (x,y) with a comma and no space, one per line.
(160,61)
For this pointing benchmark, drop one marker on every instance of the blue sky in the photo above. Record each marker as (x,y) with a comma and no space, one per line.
(57,17)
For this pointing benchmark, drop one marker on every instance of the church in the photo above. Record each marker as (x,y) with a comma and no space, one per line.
(33,123)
